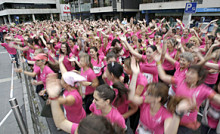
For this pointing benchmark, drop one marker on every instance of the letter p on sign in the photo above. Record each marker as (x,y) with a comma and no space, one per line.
(190,7)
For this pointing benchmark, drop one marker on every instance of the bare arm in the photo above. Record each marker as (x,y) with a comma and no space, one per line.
(136,99)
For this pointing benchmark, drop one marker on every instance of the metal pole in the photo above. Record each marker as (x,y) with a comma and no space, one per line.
(14,106)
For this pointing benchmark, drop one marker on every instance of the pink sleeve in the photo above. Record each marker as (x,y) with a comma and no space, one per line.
(120,121)
(176,64)
(37,70)
(91,76)
(49,70)
(208,92)
(92,107)
(74,127)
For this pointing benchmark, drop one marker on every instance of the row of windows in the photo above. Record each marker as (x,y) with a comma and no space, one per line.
(26,6)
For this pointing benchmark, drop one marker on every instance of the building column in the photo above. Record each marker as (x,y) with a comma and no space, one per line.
(51,16)
(33,17)
(5,20)
(9,19)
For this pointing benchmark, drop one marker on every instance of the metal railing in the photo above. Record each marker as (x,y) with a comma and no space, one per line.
(35,124)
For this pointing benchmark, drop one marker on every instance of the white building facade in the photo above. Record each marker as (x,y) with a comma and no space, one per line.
(28,10)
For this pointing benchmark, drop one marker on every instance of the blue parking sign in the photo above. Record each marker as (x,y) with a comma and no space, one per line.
(190,7)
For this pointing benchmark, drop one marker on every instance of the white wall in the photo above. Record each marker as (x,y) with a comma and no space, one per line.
(27,11)
(101,9)
(28,1)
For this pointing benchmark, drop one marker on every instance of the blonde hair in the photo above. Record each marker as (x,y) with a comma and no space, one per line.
(195,39)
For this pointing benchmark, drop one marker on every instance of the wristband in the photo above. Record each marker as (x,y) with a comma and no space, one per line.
(54,98)
(90,84)
(179,114)
(26,60)
(158,62)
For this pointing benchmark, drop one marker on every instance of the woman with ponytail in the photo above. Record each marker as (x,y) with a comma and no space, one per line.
(113,72)
(154,117)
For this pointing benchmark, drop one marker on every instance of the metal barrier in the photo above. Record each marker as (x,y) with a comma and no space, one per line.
(35,123)
(14,106)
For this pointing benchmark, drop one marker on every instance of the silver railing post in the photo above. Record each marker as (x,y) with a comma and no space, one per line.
(16,110)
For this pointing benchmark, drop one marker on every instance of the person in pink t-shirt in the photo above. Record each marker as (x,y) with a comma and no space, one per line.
(114,72)
(168,67)
(97,63)
(91,82)
(185,37)
(148,68)
(71,99)
(66,51)
(103,98)
(154,117)
(41,60)
(190,86)
(211,114)
(91,124)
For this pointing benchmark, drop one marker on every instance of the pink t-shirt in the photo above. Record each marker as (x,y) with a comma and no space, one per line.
(149,70)
(97,65)
(10,50)
(166,64)
(44,74)
(213,121)
(154,124)
(141,80)
(75,112)
(114,116)
(68,64)
(37,71)
(90,76)
(201,93)
(184,41)
(211,78)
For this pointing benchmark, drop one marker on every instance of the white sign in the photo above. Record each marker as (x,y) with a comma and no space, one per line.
(65,11)
(65,8)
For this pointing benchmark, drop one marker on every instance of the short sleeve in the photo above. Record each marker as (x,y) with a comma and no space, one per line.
(36,70)
(92,107)
(176,64)
(91,76)
(74,127)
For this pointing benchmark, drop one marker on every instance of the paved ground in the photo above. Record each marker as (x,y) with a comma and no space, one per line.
(10,125)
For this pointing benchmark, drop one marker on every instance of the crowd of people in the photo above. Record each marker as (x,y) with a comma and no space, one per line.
(109,74)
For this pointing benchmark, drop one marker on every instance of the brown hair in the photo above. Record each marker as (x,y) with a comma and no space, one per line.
(161,90)
(201,73)
(94,124)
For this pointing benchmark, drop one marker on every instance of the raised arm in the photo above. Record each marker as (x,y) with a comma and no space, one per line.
(53,90)
(133,52)
(163,76)
(136,99)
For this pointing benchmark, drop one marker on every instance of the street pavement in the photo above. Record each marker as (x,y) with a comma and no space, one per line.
(10,125)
